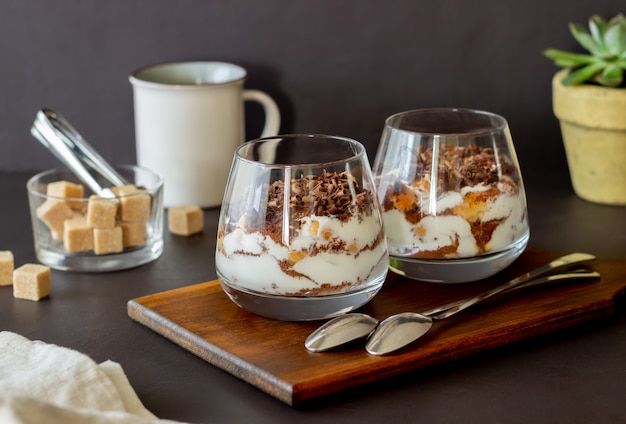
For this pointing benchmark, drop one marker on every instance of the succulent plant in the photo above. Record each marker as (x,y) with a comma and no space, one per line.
(606,62)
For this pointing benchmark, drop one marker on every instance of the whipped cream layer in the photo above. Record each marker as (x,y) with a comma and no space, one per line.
(325,255)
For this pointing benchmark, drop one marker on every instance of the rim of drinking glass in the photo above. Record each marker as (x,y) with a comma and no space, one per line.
(30,184)
(499,126)
(136,77)
(359,153)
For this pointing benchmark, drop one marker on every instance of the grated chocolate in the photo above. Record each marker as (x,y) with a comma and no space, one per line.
(328,194)
(461,166)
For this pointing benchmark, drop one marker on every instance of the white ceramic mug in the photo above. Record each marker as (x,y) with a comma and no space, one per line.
(189,119)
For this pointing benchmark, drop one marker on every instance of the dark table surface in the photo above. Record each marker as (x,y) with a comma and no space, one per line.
(576,375)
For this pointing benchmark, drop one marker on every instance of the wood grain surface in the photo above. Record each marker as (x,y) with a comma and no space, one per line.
(270,354)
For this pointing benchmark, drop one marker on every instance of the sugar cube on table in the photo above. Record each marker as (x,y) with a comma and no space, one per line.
(185,220)
(31,282)
(6,268)
(67,190)
(133,233)
(53,213)
(78,234)
(107,240)
(101,212)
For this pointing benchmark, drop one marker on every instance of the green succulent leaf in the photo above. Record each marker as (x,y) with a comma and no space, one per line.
(587,41)
(567,59)
(597,27)
(583,74)
(618,20)
(611,76)
(615,40)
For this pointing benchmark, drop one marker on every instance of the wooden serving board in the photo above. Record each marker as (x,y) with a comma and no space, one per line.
(270,354)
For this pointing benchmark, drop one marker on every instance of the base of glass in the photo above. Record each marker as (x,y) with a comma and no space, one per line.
(291,308)
(462,270)
(88,262)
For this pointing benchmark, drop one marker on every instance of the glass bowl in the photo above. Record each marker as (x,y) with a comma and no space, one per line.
(74,230)
(300,233)
(451,189)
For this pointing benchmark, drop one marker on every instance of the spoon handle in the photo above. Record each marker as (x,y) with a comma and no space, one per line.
(559,264)
(508,286)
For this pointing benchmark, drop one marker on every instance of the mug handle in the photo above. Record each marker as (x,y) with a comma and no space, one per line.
(272,114)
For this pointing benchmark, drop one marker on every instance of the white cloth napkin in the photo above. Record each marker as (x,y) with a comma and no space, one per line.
(45,383)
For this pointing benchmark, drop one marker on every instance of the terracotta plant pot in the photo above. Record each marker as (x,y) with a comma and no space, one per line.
(593,126)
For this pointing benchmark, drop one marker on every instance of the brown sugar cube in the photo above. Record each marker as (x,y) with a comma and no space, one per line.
(101,212)
(134,203)
(67,190)
(133,233)
(185,220)
(78,234)
(31,282)
(125,189)
(107,240)
(53,213)
(6,268)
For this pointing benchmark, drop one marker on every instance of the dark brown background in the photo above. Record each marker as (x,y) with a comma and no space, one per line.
(337,67)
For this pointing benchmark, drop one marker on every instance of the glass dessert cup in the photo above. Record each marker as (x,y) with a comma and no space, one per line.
(66,240)
(450,185)
(300,233)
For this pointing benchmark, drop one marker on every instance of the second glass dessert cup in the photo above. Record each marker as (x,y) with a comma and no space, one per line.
(451,189)
(300,233)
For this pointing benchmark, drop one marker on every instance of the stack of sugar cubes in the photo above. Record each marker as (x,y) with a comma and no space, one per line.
(108,225)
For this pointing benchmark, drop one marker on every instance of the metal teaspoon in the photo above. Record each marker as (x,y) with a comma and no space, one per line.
(347,328)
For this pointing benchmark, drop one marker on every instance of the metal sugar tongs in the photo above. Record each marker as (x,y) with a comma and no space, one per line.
(57,135)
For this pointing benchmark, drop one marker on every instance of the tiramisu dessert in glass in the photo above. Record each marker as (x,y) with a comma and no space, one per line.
(451,190)
(300,235)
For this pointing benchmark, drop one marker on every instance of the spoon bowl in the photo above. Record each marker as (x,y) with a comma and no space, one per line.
(341,331)
(397,331)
